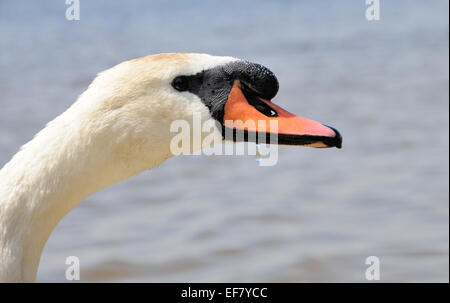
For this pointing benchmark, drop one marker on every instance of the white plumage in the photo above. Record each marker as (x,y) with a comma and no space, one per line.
(116,129)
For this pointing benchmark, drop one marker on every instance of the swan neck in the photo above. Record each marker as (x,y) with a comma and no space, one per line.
(47,178)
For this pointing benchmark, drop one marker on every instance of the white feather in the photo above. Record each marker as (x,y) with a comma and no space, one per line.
(116,129)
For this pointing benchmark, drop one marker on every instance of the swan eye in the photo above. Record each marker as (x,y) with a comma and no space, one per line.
(181,83)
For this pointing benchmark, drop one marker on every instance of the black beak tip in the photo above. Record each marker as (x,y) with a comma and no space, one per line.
(337,138)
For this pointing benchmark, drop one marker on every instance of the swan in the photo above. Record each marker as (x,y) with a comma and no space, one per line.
(119,127)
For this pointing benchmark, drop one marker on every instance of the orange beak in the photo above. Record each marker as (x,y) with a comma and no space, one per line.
(244,111)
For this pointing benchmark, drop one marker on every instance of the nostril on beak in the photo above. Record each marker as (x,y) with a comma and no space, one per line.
(337,137)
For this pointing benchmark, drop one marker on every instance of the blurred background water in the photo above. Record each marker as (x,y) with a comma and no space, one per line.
(317,214)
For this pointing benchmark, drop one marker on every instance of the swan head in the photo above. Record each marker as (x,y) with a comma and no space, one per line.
(141,98)
(122,125)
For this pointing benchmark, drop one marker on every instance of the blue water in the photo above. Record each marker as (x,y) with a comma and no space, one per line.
(317,214)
